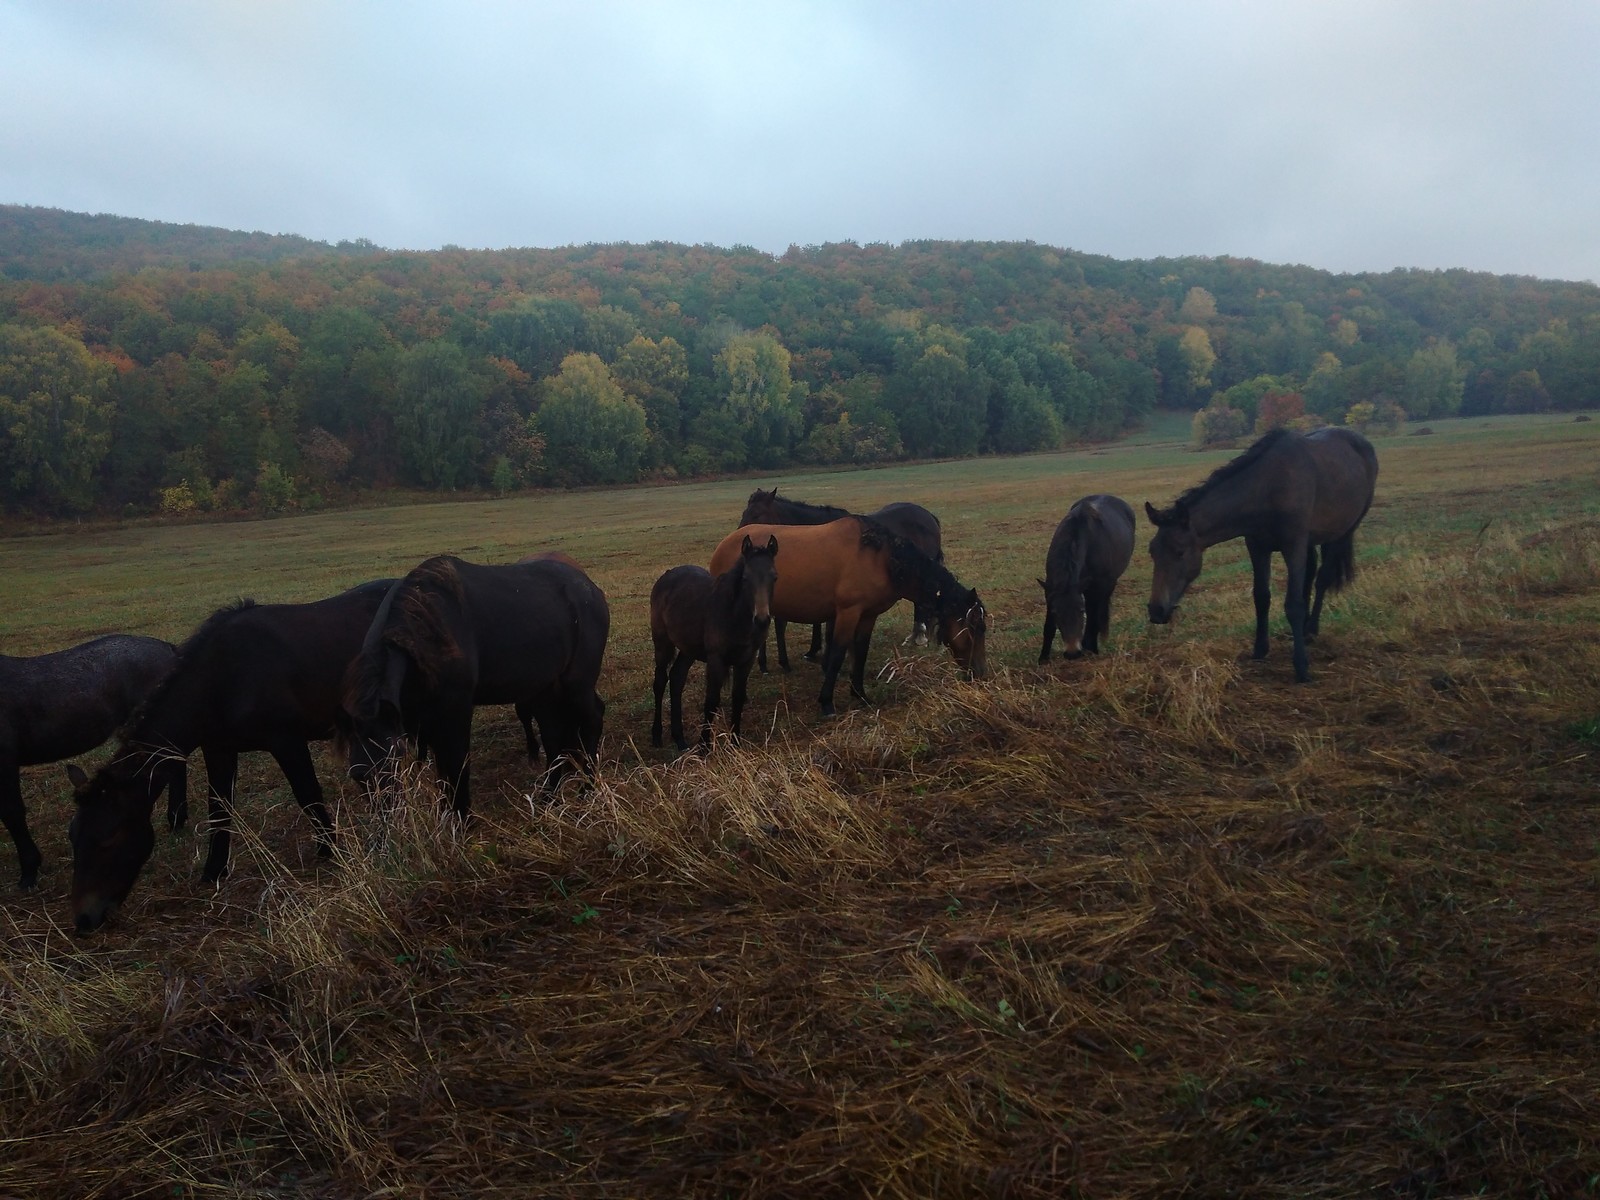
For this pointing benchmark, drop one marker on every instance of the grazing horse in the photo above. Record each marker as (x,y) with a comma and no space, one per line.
(1288,493)
(849,572)
(452,635)
(1088,554)
(720,622)
(54,706)
(910,521)
(251,677)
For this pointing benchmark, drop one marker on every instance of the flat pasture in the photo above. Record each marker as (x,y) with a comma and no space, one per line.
(1151,923)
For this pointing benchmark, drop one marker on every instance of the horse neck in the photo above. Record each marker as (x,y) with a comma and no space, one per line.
(1230,509)
(732,595)
(174,716)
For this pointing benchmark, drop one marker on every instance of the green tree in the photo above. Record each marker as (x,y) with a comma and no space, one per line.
(939,402)
(55,419)
(1433,382)
(656,374)
(438,401)
(758,398)
(594,432)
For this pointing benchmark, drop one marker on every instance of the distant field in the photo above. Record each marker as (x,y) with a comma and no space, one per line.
(1153,922)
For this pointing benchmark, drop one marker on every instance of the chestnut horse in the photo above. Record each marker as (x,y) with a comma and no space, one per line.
(719,622)
(851,571)
(910,521)
(1088,554)
(1289,493)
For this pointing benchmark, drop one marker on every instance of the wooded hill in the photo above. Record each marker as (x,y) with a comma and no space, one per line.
(145,365)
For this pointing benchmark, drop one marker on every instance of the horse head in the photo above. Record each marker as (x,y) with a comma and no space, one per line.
(1176,553)
(963,624)
(372,726)
(760,575)
(111,832)
(758,509)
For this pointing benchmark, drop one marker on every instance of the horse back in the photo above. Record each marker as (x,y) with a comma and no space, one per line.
(56,705)
(1098,533)
(679,602)
(527,627)
(913,523)
(1346,472)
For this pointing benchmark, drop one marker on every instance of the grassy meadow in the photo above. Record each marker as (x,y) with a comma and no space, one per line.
(1153,923)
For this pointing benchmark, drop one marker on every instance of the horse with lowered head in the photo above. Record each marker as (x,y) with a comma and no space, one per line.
(452,635)
(1088,554)
(720,621)
(910,521)
(849,572)
(53,706)
(251,677)
(1290,494)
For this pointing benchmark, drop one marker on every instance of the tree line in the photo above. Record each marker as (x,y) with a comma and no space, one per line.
(145,366)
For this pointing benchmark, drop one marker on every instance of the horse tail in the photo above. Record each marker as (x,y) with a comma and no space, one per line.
(1338,562)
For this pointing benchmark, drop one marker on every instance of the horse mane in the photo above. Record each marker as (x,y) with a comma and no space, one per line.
(907,564)
(195,642)
(414,626)
(1263,446)
(822,513)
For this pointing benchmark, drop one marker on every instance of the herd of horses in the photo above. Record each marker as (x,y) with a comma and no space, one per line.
(398,665)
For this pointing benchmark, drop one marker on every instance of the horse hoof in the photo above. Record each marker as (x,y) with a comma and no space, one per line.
(27,883)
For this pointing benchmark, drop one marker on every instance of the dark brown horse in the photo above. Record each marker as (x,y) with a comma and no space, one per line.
(1289,493)
(910,521)
(452,635)
(720,622)
(851,571)
(53,706)
(1088,554)
(251,677)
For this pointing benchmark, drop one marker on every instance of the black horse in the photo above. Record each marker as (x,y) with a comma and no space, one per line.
(54,706)
(452,635)
(251,677)
(721,622)
(1288,493)
(1088,554)
(909,521)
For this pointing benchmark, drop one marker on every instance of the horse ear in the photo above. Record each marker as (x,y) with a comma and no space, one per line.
(1150,511)
(1043,584)
(772,544)
(747,547)
(79,780)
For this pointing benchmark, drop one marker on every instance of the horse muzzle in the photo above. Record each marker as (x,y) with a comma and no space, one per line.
(92,913)
(1160,614)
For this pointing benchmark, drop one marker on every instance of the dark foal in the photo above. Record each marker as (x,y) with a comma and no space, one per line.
(719,621)
(1088,554)
(54,706)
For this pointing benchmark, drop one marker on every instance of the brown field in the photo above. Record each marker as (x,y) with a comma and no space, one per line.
(1157,923)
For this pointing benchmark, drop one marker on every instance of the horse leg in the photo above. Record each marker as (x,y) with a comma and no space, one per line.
(1091,620)
(858,652)
(761,653)
(815,653)
(222,768)
(178,795)
(294,760)
(716,669)
(15,817)
(783,646)
(680,675)
(525,715)
(741,679)
(1316,612)
(1294,603)
(1049,633)
(841,628)
(1102,622)
(665,652)
(922,618)
(451,749)
(1261,568)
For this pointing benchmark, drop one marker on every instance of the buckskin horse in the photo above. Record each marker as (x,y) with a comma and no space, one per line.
(1088,554)
(849,572)
(910,521)
(53,706)
(1290,494)
(719,621)
(452,635)
(251,677)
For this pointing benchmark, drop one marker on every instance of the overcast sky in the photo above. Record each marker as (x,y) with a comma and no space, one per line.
(1345,134)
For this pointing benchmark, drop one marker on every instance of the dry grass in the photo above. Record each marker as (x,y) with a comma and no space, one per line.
(1155,923)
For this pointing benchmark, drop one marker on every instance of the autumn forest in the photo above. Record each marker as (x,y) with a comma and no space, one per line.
(149,367)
